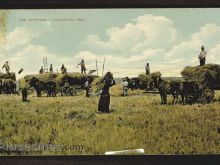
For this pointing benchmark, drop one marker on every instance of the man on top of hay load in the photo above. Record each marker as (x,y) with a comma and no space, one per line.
(202,56)
(51,68)
(147,68)
(41,70)
(7,68)
(63,69)
(83,67)
(125,86)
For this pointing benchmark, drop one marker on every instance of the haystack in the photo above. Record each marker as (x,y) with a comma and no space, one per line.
(22,83)
(144,79)
(97,84)
(206,76)
(42,77)
(11,76)
(73,78)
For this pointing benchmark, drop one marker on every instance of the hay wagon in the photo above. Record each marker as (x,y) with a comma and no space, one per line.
(68,84)
(146,82)
(207,77)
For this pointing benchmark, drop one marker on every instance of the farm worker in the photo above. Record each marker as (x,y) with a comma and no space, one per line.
(7,68)
(83,67)
(125,87)
(87,87)
(51,68)
(63,69)
(133,84)
(41,70)
(23,86)
(66,86)
(104,100)
(202,56)
(147,68)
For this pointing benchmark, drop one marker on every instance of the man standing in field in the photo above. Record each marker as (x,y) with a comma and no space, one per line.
(83,67)
(147,68)
(23,86)
(66,87)
(202,56)
(87,86)
(7,68)
(125,86)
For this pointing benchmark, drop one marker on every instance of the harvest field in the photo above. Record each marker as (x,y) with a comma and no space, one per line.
(136,121)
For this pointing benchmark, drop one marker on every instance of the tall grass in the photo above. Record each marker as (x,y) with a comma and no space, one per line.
(137,121)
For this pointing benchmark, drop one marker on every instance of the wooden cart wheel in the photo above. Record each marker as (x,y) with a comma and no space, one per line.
(203,101)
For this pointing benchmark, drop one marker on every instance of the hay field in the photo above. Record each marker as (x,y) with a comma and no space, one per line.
(137,121)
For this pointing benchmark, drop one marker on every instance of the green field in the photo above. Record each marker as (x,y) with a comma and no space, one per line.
(137,121)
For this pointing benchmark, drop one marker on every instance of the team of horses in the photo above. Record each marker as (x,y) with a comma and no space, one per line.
(66,87)
(49,86)
(189,91)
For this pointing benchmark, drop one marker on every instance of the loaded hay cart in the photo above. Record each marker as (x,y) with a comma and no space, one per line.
(68,84)
(146,82)
(207,77)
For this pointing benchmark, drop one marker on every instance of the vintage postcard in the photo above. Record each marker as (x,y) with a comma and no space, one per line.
(109,81)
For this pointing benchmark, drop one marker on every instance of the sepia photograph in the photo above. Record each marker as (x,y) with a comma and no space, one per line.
(140,81)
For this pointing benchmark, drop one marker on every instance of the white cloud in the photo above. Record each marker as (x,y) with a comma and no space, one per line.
(20,52)
(189,50)
(86,55)
(145,56)
(214,54)
(2,44)
(147,32)
(19,37)
(207,32)
(22,36)
(30,58)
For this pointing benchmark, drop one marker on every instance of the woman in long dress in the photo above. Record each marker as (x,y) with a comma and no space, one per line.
(104,100)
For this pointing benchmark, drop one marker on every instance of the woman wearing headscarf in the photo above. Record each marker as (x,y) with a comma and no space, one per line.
(104,100)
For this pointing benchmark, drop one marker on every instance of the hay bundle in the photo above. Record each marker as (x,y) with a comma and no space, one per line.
(75,75)
(206,76)
(97,84)
(7,80)
(145,79)
(22,83)
(72,78)
(8,76)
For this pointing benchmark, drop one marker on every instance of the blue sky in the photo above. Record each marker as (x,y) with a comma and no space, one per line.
(169,39)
